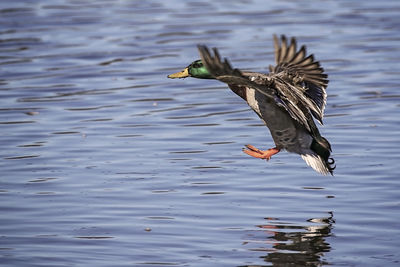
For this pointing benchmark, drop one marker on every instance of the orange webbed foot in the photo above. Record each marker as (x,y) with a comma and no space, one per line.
(261,154)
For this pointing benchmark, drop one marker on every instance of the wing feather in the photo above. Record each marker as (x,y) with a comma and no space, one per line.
(224,72)
(296,84)
(301,72)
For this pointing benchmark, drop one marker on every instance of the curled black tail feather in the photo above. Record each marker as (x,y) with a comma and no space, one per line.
(330,165)
(323,149)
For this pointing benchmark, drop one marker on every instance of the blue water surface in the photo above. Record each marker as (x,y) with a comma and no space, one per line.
(106,162)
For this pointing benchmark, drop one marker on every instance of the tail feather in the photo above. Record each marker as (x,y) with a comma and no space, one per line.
(318,163)
(320,159)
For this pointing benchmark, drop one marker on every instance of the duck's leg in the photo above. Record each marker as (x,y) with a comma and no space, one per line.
(261,154)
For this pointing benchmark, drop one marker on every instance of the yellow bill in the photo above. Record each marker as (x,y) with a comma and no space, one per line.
(182,74)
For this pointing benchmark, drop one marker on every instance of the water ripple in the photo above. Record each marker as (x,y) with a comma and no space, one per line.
(102,153)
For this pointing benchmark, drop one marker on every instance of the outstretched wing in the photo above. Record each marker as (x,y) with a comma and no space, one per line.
(302,74)
(223,71)
(278,88)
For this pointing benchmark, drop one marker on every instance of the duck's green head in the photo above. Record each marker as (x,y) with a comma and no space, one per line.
(196,70)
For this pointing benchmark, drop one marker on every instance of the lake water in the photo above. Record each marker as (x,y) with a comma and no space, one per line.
(106,162)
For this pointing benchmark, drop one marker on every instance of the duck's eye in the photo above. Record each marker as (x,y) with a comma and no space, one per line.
(197,65)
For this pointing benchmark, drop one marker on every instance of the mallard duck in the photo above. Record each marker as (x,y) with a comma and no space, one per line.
(286,99)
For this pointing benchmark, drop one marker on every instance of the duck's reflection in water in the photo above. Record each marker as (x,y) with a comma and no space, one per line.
(291,244)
